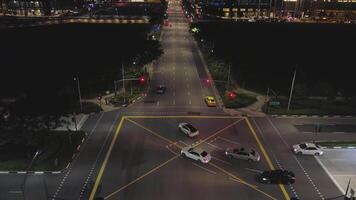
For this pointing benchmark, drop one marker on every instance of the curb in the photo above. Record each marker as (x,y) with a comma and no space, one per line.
(313,116)
(339,147)
(49,172)
(215,91)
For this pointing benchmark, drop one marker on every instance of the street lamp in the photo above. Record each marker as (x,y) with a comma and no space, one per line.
(76,78)
(28,168)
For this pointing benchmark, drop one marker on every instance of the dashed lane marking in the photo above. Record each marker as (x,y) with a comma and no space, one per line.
(70,168)
(214,146)
(169,149)
(183,143)
(201,167)
(227,140)
(296,159)
(254,170)
(252,130)
(275,158)
(107,156)
(220,160)
(97,158)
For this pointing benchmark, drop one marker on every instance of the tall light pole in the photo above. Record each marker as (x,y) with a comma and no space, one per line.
(228,77)
(76,78)
(291,89)
(28,168)
(123,82)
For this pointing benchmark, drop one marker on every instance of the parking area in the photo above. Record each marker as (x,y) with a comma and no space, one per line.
(145,161)
(340,165)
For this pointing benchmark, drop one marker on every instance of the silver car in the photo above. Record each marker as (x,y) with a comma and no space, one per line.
(243,154)
(188,129)
(195,154)
(307,149)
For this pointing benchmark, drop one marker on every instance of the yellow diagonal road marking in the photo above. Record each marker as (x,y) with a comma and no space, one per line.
(285,193)
(107,156)
(141,177)
(241,181)
(183,116)
(216,133)
(154,133)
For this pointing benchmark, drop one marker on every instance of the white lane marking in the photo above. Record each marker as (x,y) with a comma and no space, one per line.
(214,146)
(188,93)
(84,187)
(174,102)
(183,143)
(227,140)
(157,103)
(274,157)
(190,102)
(254,170)
(71,166)
(208,170)
(14,192)
(172,151)
(296,159)
(344,174)
(330,175)
(223,161)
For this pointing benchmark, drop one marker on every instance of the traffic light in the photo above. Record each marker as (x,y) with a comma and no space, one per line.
(142,79)
(231,95)
(207,80)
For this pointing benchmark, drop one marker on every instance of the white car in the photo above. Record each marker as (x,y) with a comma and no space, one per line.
(188,129)
(243,154)
(196,154)
(307,149)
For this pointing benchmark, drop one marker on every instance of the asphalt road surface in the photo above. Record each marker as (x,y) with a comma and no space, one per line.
(134,152)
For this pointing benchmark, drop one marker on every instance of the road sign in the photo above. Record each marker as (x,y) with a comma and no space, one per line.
(274,103)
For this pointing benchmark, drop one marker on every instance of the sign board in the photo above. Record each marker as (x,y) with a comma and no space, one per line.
(274,103)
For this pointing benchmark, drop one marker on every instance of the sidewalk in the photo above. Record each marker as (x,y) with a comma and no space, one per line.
(70,122)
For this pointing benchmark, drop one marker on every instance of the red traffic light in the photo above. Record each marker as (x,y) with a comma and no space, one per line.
(142,79)
(208,81)
(231,95)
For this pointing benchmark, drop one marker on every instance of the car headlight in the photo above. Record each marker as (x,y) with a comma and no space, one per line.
(295,150)
(264,179)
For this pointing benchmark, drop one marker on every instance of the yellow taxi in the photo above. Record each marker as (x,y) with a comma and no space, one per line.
(210,101)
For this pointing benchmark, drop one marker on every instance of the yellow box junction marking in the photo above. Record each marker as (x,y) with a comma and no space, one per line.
(242,181)
(141,177)
(266,156)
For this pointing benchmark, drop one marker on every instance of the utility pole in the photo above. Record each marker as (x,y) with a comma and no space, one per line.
(123,82)
(115,88)
(76,78)
(228,77)
(259,9)
(28,168)
(266,107)
(291,89)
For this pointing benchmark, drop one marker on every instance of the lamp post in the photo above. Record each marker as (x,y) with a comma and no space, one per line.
(76,78)
(291,89)
(28,168)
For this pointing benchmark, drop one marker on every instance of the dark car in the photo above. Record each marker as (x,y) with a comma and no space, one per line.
(277,176)
(161,89)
